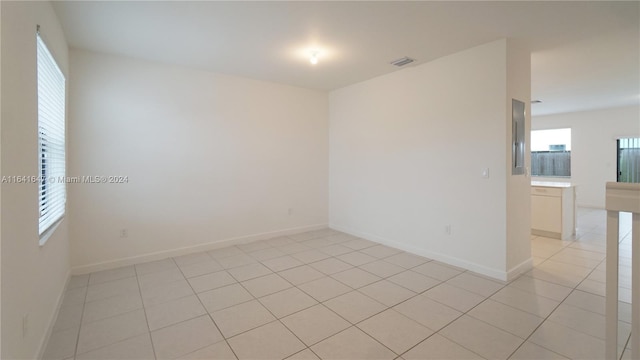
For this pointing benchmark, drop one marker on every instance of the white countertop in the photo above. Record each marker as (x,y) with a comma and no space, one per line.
(555,184)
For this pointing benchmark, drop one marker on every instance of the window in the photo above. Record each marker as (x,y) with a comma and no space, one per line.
(629,160)
(551,153)
(51,138)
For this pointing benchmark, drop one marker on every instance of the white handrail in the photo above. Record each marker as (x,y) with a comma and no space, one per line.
(622,197)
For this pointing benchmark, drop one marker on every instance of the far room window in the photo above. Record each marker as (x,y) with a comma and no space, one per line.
(551,153)
(51,139)
(629,160)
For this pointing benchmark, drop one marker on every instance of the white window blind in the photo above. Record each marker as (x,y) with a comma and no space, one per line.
(51,138)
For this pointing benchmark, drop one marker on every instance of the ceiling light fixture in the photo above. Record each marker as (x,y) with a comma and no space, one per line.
(314,57)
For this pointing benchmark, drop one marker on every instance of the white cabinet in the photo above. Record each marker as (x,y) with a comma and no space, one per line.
(553,210)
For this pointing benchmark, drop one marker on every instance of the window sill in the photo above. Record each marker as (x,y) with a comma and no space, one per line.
(49,232)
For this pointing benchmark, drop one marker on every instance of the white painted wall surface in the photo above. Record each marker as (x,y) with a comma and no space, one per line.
(33,276)
(208,157)
(0,185)
(593,142)
(518,186)
(406,155)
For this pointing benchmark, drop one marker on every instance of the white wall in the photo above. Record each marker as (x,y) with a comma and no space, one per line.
(0,176)
(518,186)
(208,157)
(33,277)
(406,155)
(593,143)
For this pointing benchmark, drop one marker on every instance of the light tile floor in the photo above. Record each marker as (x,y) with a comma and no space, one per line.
(324,294)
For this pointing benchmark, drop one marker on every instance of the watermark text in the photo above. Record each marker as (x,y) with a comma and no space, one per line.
(86,179)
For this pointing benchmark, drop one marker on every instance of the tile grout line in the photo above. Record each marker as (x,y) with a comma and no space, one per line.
(542,323)
(285,326)
(486,298)
(184,277)
(272,314)
(357,290)
(206,311)
(144,310)
(279,319)
(557,306)
(84,302)
(110,317)
(296,287)
(403,301)
(325,275)
(319,302)
(257,299)
(461,315)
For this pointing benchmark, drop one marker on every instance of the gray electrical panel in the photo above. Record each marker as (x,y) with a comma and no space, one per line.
(518,136)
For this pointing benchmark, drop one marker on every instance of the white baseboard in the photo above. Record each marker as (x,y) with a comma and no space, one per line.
(477,268)
(159,255)
(54,317)
(520,269)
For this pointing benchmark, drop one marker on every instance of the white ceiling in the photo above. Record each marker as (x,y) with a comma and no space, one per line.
(585,55)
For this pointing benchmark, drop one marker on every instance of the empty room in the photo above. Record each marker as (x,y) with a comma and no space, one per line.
(319,180)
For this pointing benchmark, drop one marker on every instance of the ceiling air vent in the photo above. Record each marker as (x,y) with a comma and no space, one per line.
(402,61)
